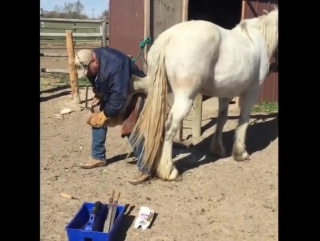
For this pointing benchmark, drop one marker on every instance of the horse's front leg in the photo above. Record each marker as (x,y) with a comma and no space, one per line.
(216,147)
(246,102)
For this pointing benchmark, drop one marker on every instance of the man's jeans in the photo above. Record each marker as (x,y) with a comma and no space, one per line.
(98,149)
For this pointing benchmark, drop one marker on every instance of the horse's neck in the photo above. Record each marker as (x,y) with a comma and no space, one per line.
(269,32)
(267,29)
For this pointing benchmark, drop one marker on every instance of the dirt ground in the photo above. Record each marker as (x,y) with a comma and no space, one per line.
(218,199)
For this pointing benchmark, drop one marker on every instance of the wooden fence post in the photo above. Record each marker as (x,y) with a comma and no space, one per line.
(104,33)
(197,116)
(185,4)
(72,68)
(243,13)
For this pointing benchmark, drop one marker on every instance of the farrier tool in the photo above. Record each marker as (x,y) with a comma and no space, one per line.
(114,210)
(86,100)
(91,225)
(87,105)
(107,223)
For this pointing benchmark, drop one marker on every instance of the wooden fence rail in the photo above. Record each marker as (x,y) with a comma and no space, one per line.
(69,28)
(86,35)
(63,20)
(54,71)
(103,31)
(52,55)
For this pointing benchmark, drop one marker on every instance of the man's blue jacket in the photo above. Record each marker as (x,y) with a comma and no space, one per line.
(112,82)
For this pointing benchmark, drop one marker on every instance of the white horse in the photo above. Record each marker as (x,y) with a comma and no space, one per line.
(199,56)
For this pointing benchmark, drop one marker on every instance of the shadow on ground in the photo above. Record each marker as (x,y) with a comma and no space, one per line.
(61,91)
(259,136)
(120,158)
(54,89)
(50,97)
(127,221)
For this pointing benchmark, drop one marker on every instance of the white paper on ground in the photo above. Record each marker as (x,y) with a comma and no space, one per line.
(65,111)
(144,218)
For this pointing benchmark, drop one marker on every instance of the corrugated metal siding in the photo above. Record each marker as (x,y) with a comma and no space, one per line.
(269,92)
(126,27)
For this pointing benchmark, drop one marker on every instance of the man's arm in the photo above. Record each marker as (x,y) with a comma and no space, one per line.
(118,87)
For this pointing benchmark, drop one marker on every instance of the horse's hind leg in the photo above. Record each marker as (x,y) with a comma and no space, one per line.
(179,110)
(247,102)
(216,147)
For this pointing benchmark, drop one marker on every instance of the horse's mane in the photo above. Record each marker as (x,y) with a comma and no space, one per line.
(244,28)
(268,26)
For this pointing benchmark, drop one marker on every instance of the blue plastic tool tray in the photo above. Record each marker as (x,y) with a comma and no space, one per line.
(76,228)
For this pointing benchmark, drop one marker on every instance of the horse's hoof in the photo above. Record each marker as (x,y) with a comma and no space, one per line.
(174,174)
(217,150)
(242,158)
(178,179)
(218,154)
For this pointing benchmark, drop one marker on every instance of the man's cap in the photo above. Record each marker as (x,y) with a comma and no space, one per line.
(82,60)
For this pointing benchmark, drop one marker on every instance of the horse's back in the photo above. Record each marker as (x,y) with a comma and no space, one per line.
(200,53)
(234,70)
(238,55)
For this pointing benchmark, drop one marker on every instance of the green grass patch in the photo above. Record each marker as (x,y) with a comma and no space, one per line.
(265,107)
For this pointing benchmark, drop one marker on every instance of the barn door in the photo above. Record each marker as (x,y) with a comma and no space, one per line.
(164,14)
(254,8)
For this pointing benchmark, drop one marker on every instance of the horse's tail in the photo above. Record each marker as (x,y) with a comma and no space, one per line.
(150,125)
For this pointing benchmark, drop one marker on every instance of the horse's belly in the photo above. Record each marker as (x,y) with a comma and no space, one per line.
(224,88)
(230,79)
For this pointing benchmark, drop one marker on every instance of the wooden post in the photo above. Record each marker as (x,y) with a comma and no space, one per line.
(185,4)
(146,31)
(72,68)
(243,15)
(185,7)
(74,31)
(180,132)
(197,103)
(197,116)
(104,33)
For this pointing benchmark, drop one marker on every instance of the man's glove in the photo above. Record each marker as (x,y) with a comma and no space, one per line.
(97,120)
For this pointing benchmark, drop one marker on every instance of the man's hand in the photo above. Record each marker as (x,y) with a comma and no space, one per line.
(97,120)
(95,101)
